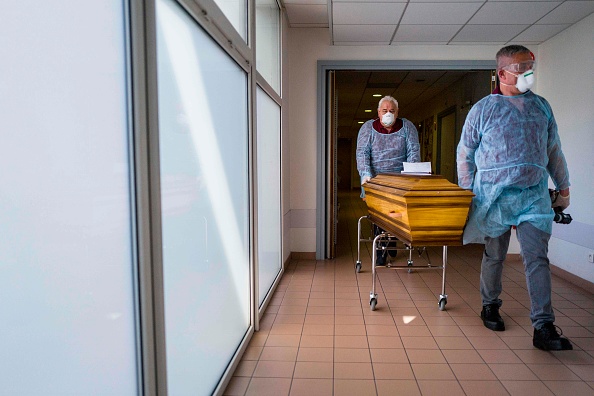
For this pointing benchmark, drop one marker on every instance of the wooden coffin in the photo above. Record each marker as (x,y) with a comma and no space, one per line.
(420,210)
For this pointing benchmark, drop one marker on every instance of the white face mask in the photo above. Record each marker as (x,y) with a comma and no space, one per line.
(525,81)
(388,119)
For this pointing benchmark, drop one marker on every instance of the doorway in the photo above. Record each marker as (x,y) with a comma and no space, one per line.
(416,85)
(446,144)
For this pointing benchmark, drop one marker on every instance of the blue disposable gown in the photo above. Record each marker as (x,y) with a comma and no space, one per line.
(384,153)
(508,148)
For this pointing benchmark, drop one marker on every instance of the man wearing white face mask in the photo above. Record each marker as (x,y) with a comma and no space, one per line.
(384,144)
(508,150)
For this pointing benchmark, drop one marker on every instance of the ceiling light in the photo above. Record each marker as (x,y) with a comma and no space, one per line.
(377,95)
(361,122)
(368,111)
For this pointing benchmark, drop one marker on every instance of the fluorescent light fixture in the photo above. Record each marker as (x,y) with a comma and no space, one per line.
(368,111)
(360,122)
(377,95)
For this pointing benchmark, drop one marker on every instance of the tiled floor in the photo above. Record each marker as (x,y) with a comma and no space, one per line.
(320,337)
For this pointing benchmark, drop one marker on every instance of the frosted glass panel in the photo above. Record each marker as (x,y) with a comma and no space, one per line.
(67,316)
(268,42)
(236,13)
(269,222)
(203,129)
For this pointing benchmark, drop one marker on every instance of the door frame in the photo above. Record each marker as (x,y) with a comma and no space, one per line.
(324,187)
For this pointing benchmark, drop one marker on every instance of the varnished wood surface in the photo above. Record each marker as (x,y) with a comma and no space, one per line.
(421,210)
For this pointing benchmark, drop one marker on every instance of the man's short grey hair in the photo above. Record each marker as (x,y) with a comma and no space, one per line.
(387,98)
(508,52)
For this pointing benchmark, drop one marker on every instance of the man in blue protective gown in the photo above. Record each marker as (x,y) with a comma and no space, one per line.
(383,145)
(508,149)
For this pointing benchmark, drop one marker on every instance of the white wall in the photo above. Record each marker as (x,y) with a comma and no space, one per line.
(307,46)
(564,72)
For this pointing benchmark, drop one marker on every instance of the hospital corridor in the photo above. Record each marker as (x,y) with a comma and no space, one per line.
(318,335)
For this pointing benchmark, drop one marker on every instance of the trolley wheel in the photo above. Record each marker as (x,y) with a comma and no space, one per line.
(409,263)
(373,303)
(358,267)
(442,304)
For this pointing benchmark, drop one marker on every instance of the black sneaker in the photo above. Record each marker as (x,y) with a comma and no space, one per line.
(380,258)
(548,339)
(491,318)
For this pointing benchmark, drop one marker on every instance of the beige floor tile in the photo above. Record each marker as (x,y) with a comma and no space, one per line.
(245,368)
(350,387)
(319,320)
(462,356)
(282,340)
(289,319)
(381,330)
(314,370)
(355,341)
(320,310)
(279,353)
(268,387)
(511,371)
(252,353)
(523,388)
(499,356)
(440,388)
(414,331)
(274,369)
(292,309)
(349,330)
(425,356)
(553,372)
(570,388)
(349,319)
(392,371)
(385,320)
(487,342)
(473,372)
(311,387)
(483,388)
(353,371)
(445,331)
(352,355)
(321,302)
(318,329)
(311,341)
(536,356)
(384,342)
(432,371)
(237,386)
(584,371)
(388,356)
(397,387)
(574,357)
(315,354)
(453,343)
(419,343)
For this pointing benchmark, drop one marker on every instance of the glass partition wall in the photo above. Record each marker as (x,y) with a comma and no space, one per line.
(138,246)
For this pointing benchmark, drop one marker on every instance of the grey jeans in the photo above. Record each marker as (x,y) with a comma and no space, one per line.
(534,246)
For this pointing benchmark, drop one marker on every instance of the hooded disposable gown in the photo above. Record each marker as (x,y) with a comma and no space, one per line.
(508,148)
(384,153)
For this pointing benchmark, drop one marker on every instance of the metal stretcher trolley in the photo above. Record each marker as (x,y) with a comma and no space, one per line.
(420,211)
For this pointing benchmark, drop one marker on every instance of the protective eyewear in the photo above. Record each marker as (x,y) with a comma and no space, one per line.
(520,67)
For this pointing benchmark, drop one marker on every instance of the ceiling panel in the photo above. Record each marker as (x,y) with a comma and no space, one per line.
(512,13)
(426,33)
(488,33)
(367,13)
(439,13)
(568,12)
(535,33)
(363,33)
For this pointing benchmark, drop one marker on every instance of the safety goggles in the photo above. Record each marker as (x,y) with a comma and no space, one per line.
(520,67)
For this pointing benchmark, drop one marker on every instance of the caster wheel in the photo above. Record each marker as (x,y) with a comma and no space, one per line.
(358,267)
(442,304)
(373,303)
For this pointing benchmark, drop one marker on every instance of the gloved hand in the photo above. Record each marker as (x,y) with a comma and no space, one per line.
(561,202)
(365,179)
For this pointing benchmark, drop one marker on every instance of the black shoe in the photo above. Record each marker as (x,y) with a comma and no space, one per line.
(380,258)
(491,318)
(548,339)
